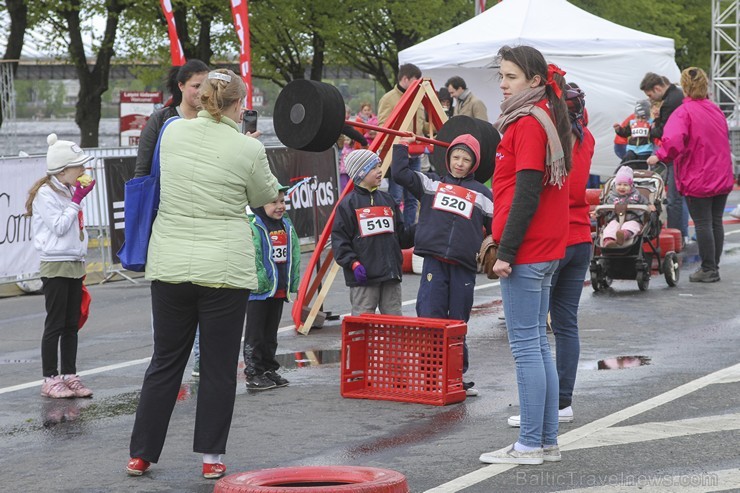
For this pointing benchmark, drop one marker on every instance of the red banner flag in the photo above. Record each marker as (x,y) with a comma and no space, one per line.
(178,57)
(240,14)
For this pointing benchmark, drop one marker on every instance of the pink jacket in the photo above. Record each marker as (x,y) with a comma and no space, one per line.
(696,139)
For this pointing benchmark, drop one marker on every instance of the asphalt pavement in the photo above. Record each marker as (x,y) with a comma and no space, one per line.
(656,402)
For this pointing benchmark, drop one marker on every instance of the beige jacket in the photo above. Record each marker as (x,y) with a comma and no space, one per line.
(471,106)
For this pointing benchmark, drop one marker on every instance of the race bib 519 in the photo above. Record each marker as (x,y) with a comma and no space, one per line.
(375,220)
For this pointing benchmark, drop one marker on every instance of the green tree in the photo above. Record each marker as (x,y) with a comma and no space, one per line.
(371,34)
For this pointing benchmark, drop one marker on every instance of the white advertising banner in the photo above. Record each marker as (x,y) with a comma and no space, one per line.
(17,253)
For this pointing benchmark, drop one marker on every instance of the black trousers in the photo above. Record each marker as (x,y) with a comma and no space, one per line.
(63,297)
(710,233)
(260,335)
(178,309)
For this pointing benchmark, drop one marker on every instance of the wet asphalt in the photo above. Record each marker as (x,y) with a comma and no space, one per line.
(648,343)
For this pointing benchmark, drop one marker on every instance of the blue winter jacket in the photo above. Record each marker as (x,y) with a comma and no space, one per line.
(439,233)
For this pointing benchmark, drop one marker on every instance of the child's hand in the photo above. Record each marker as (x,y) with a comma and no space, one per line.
(616,126)
(652,207)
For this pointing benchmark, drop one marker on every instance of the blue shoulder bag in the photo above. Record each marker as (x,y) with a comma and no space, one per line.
(140,206)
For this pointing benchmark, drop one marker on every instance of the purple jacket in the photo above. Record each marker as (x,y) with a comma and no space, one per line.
(696,139)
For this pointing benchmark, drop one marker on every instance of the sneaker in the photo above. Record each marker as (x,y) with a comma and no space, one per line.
(736,212)
(470,389)
(213,471)
(509,455)
(75,385)
(565,415)
(137,466)
(260,382)
(56,388)
(275,377)
(704,276)
(196,369)
(551,454)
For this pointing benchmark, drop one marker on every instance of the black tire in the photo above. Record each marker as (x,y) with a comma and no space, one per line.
(309,115)
(643,279)
(671,269)
(595,281)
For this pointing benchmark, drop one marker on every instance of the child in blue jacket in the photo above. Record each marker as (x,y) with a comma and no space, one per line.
(278,257)
(454,212)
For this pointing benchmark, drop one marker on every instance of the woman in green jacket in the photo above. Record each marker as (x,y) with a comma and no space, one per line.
(201,262)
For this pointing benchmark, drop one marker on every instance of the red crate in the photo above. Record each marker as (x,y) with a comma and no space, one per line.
(387,357)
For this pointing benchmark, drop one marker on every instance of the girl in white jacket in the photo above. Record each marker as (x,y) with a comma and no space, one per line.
(60,236)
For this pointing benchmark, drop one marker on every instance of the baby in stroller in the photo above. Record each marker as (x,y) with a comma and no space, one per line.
(624,192)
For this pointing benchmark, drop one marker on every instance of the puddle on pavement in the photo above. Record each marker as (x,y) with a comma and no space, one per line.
(303,359)
(621,362)
(76,412)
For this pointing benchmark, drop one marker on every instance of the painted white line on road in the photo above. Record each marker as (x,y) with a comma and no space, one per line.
(126,364)
(723,480)
(659,430)
(94,371)
(288,328)
(568,440)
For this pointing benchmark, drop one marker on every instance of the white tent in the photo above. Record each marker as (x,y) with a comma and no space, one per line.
(606,60)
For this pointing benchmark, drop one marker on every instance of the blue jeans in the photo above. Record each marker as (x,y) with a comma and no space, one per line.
(526,297)
(565,295)
(400,195)
(677,210)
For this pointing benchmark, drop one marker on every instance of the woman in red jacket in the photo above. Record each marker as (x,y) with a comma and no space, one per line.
(530,216)
(567,282)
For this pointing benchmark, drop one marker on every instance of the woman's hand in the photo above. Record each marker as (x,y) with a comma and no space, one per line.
(502,268)
(255,135)
(653,160)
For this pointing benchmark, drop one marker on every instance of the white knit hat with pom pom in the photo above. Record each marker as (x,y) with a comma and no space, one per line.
(63,154)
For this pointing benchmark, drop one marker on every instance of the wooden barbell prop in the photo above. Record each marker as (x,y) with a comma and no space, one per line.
(309,116)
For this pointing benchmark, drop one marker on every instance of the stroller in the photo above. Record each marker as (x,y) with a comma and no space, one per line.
(634,258)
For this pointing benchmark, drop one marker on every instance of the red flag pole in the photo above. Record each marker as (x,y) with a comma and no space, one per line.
(176,51)
(240,13)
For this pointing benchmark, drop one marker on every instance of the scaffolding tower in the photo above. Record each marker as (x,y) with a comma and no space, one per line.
(9,131)
(726,57)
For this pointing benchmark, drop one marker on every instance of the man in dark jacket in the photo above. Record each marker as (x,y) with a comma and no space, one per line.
(659,89)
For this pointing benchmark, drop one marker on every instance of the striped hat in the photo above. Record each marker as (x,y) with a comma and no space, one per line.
(359,162)
(63,154)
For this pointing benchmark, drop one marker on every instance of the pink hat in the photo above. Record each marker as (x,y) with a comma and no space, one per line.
(624,175)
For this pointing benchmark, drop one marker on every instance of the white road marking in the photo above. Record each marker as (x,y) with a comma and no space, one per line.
(94,371)
(125,364)
(621,435)
(568,440)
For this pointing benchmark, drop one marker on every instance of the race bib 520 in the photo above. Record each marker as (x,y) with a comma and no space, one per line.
(454,199)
